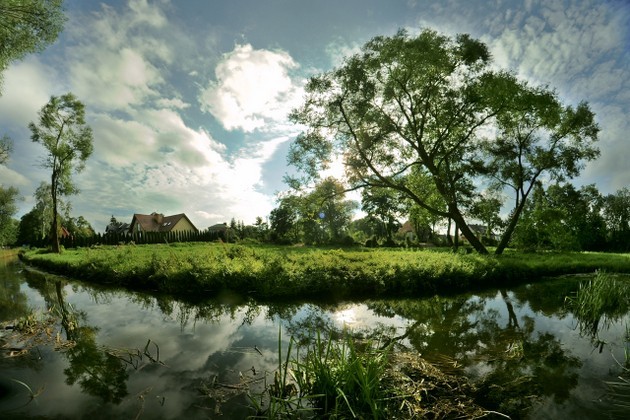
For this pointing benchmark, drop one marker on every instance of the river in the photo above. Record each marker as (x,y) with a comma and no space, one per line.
(88,351)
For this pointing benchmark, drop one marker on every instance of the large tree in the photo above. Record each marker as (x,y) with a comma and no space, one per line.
(27,26)
(428,103)
(325,213)
(537,136)
(62,130)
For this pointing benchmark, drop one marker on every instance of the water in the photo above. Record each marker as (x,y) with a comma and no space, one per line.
(114,354)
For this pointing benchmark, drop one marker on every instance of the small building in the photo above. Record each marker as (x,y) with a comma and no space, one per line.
(223,230)
(116,228)
(157,222)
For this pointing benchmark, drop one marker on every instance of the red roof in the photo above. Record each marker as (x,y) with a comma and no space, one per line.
(156,222)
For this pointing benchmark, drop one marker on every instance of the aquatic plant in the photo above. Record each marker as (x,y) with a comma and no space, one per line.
(599,302)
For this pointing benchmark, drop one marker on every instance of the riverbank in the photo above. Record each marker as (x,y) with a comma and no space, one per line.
(271,272)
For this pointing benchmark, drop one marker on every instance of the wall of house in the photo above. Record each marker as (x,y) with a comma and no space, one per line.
(182,226)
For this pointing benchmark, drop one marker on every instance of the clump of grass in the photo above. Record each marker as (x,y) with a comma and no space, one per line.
(344,379)
(327,379)
(599,302)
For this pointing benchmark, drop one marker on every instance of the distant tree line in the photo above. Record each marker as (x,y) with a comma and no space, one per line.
(559,217)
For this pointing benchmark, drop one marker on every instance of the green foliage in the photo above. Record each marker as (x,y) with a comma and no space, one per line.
(8,226)
(267,272)
(563,218)
(386,206)
(408,108)
(27,26)
(616,210)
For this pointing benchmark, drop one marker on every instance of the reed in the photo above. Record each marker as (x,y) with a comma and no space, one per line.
(343,378)
(599,302)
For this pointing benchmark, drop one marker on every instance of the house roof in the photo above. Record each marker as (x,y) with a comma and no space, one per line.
(406,227)
(118,227)
(219,227)
(156,222)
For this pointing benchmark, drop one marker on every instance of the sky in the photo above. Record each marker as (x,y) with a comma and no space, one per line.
(188,99)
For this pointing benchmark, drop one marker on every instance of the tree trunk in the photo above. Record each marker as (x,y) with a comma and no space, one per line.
(507,235)
(468,234)
(449,240)
(55,225)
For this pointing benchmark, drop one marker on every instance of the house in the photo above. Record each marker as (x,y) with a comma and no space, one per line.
(157,222)
(116,228)
(408,231)
(223,230)
(219,228)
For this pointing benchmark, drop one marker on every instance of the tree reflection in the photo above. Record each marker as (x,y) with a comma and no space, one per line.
(13,302)
(96,369)
(98,372)
(513,363)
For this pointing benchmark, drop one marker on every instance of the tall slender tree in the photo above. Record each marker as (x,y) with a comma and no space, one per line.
(62,130)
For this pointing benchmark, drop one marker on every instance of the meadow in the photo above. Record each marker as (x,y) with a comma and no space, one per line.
(273,272)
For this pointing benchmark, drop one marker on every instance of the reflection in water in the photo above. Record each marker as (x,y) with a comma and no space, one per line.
(519,345)
(13,302)
(99,372)
(513,362)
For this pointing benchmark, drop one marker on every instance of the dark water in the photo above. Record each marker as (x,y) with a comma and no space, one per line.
(114,354)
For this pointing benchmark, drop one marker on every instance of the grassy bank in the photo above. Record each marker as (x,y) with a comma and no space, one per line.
(268,272)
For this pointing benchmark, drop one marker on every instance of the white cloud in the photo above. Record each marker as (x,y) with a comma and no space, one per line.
(339,50)
(169,167)
(174,103)
(11,178)
(114,63)
(26,89)
(253,88)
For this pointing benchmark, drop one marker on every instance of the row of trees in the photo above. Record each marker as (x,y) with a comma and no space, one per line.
(565,218)
(560,217)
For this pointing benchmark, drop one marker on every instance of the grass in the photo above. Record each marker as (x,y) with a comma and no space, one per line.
(599,302)
(328,379)
(272,272)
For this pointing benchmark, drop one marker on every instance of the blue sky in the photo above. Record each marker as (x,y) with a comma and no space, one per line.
(188,99)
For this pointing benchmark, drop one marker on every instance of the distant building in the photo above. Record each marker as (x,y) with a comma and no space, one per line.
(157,222)
(116,228)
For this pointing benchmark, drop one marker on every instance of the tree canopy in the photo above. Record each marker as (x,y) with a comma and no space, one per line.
(434,105)
(27,26)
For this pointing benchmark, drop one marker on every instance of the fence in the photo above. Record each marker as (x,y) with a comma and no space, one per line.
(136,237)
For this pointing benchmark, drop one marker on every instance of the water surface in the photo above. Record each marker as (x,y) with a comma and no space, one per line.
(115,354)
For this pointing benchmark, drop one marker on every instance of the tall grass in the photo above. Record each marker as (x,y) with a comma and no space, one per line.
(345,380)
(269,272)
(599,302)
(328,379)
